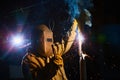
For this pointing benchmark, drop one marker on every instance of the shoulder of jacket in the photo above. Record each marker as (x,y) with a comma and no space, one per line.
(32,58)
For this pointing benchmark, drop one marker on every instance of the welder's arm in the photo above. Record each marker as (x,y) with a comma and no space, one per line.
(71,36)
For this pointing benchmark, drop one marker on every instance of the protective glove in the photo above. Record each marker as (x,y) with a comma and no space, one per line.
(58,50)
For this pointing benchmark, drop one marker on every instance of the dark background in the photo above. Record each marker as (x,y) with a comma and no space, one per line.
(104,39)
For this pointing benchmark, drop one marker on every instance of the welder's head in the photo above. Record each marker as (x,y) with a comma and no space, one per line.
(42,40)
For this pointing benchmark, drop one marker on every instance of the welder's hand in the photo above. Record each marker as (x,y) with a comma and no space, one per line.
(58,50)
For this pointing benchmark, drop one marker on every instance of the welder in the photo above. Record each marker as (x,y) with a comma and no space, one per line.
(43,60)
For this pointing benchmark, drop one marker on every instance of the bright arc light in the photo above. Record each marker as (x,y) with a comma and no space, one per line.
(84,55)
(17,40)
(80,37)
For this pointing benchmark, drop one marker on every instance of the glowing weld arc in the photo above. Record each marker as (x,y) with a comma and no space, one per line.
(80,41)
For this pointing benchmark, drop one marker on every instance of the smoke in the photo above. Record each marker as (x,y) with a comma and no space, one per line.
(59,10)
(75,6)
(56,14)
(86,4)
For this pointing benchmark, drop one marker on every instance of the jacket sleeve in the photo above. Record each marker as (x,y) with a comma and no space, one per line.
(35,69)
(71,36)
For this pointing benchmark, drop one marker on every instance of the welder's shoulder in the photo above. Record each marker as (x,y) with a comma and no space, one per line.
(31,59)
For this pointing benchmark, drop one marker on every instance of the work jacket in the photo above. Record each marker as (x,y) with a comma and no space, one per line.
(35,67)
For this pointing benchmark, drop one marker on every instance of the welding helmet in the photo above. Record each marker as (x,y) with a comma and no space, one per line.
(42,40)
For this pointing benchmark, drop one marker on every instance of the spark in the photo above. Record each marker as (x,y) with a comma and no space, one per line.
(80,41)
(84,55)
(80,38)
